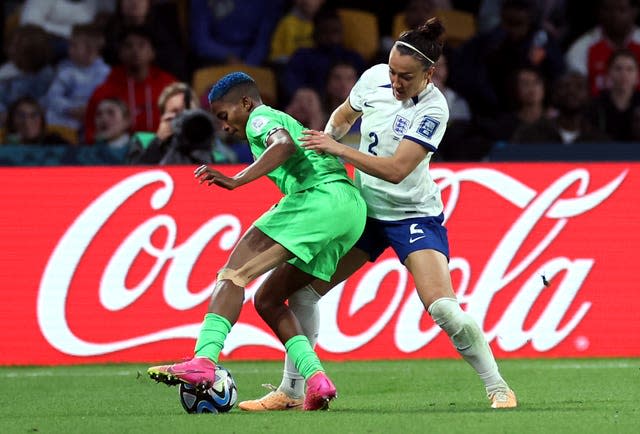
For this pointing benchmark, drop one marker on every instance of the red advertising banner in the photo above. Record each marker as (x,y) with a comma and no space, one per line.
(117,264)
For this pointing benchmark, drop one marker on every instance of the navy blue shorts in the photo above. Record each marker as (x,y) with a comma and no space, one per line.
(404,236)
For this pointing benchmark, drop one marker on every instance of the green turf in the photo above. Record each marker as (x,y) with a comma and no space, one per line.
(428,396)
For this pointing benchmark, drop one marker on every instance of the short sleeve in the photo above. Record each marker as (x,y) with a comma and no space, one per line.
(359,90)
(428,127)
(259,128)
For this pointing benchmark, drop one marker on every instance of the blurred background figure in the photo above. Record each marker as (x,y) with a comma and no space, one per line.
(294,30)
(57,18)
(458,106)
(184,135)
(569,125)
(232,31)
(341,78)
(306,107)
(309,67)
(28,70)
(482,67)
(137,81)
(416,12)
(161,21)
(26,124)
(613,109)
(550,14)
(76,78)
(112,124)
(616,28)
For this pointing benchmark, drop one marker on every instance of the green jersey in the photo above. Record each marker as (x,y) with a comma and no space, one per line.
(305,168)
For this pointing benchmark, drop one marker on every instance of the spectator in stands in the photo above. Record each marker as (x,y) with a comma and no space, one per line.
(482,66)
(137,81)
(57,17)
(551,14)
(294,30)
(233,31)
(161,20)
(166,146)
(417,12)
(28,70)
(76,78)
(616,29)
(340,80)
(456,144)
(612,110)
(308,67)
(113,123)
(458,106)
(26,124)
(306,107)
(570,98)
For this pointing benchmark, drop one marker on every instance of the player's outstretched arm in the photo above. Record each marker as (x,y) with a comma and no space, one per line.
(392,169)
(280,147)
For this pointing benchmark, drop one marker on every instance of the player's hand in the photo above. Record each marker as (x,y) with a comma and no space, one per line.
(320,142)
(211,176)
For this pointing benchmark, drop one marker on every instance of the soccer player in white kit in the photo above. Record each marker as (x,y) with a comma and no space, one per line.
(404,117)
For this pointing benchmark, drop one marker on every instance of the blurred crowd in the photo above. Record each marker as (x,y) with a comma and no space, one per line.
(132,75)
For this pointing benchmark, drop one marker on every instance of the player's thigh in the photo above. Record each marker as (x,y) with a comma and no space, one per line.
(253,244)
(430,271)
(349,264)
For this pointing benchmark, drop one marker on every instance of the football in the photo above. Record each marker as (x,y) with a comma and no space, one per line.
(219,398)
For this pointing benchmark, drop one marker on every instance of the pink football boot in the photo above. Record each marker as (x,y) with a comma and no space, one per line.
(199,372)
(320,390)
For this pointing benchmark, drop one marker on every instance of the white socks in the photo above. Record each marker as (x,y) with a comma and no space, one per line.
(463,331)
(304,304)
(468,339)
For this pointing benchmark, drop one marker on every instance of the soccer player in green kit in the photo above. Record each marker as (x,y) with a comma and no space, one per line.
(303,237)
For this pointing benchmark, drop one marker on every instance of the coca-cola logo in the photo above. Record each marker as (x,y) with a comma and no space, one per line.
(177,259)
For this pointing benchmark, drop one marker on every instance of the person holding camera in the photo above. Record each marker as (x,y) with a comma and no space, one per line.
(185,133)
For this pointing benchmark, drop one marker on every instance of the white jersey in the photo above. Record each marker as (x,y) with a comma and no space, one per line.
(385,122)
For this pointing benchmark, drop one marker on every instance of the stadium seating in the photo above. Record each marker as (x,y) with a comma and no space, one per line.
(360,31)
(205,77)
(459,25)
(67,133)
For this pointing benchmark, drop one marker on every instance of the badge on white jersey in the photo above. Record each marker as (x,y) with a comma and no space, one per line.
(428,126)
(258,123)
(400,125)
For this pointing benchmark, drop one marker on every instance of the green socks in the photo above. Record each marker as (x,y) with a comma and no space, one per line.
(300,351)
(213,332)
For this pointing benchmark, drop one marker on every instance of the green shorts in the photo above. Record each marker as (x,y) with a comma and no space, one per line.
(318,225)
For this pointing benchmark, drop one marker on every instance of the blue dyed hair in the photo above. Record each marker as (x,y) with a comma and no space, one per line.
(228,82)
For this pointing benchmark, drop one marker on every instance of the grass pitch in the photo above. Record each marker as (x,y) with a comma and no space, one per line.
(421,396)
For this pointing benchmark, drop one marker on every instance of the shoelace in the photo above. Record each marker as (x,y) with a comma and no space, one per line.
(270,387)
(499,395)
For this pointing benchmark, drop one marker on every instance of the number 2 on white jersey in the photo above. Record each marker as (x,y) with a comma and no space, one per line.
(373,144)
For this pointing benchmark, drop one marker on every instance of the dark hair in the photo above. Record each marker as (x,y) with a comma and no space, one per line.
(34,50)
(231,81)
(622,52)
(142,30)
(11,114)
(427,39)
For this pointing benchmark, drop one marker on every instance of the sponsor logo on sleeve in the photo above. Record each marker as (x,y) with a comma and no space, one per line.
(258,123)
(428,126)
